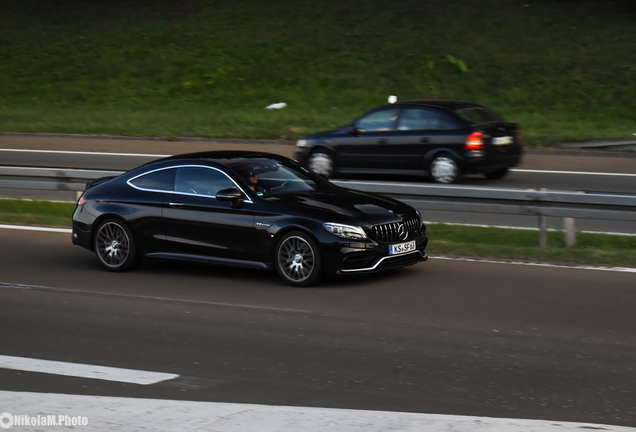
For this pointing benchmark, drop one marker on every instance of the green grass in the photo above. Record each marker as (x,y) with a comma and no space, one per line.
(511,244)
(564,70)
(36,213)
(453,240)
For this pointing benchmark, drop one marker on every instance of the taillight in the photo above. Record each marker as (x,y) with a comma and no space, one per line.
(81,201)
(475,141)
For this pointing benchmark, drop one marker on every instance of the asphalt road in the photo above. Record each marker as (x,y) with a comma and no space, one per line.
(580,171)
(449,337)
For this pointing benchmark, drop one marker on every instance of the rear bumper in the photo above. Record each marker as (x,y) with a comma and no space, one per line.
(489,163)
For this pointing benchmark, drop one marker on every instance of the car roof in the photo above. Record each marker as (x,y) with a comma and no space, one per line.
(223,156)
(440,103)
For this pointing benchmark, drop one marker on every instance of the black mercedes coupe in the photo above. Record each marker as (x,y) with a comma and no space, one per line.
(245,209)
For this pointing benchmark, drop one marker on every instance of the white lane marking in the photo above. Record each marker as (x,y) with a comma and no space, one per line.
(572,172)
(79,370)
(165,155)
(524,228)
(84,153)
(533,264)
(128,414)
(32,228)
(614,269)
(142,297)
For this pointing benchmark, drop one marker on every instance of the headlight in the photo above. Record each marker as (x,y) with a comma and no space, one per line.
(301,143)
(345,231)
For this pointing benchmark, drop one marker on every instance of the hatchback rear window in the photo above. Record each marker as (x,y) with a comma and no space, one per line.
(478,114)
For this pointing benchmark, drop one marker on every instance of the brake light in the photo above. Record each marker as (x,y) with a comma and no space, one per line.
(81,201)
(475,141)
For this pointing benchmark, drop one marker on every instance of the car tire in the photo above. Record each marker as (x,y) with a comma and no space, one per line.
(444,169)
(297,259)
(321,162)
(496,174)
(114,246)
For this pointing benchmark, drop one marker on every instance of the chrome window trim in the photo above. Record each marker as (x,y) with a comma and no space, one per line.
(129,182)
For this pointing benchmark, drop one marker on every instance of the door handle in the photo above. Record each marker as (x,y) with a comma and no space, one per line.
(176,204)
(424,140)
(383,141)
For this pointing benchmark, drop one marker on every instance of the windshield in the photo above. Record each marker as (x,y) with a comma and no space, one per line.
(479,114)
(270,177)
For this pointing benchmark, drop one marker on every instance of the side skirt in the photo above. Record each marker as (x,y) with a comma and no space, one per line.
(210,260)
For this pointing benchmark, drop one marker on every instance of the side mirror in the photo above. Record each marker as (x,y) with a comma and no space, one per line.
(232,195)
(353,130)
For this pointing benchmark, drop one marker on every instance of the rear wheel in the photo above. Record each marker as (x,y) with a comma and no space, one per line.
(114,246)
(444,169)
(321,162)
(297,259)
(496,174)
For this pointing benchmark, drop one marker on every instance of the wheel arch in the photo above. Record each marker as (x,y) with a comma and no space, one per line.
(101,218)
(428,157)
(283,231)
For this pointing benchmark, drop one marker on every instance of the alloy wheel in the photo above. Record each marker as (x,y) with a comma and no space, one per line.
(296,259)
(444,170)
(112,245)
(321,163)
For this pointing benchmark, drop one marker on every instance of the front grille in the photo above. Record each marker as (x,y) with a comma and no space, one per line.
(388,233)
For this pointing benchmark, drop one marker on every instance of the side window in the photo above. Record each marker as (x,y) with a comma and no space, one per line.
(383,120)
(162,180)
(422,119)
(201,181)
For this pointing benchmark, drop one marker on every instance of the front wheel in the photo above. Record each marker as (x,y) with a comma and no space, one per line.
(444,169)
(115,246)
(496,174)
(321,162)
(297,259)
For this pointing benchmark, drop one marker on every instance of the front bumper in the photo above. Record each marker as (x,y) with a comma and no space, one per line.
(372,256)
(390,262)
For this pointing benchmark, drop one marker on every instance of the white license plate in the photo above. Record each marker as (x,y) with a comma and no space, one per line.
(502,140)
(401,248)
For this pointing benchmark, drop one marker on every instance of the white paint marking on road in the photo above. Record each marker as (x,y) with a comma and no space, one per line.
(525,228)
(572,172)
(83,153)
(141,297)
(78,370)
(128,414)
(31,228)
(613,269)
(165,155)
(574,267)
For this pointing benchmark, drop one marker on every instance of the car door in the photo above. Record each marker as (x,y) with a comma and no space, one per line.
(420,130)
(371,133)
(199,224)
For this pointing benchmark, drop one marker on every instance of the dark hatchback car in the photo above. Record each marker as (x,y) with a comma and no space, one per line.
(441,139)
(243,209)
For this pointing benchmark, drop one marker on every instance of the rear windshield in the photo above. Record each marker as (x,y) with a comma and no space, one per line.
(478,114)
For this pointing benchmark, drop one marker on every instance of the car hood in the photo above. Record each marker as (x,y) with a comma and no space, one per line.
(362,207)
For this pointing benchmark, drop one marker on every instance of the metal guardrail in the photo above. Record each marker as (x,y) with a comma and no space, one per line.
(569,205)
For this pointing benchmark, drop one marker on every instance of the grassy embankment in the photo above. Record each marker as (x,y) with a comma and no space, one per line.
(564,70)
(464,241)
